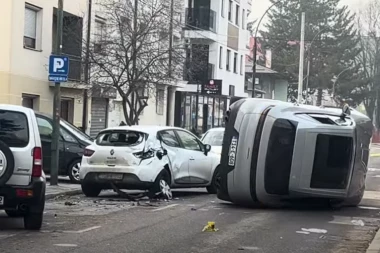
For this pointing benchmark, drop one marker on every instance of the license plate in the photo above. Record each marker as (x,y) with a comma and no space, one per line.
(1,200)
(111,176)
(232,151)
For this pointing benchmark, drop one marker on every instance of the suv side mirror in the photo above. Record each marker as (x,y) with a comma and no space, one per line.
(207,148)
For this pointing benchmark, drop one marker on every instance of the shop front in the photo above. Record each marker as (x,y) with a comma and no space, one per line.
(198,112)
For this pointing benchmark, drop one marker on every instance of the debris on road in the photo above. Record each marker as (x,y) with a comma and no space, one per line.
(358,223)
(210,227)
(69,203)
(314,230)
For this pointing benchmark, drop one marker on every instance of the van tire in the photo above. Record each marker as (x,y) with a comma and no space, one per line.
(9,161)
(33,218)
(91,190)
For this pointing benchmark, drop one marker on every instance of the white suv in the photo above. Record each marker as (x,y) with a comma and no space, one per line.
(148,158)
(22,181)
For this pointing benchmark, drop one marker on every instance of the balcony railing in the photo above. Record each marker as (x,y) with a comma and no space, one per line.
(200,19)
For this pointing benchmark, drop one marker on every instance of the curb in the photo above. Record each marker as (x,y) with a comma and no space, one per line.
(65,193)
(374,247)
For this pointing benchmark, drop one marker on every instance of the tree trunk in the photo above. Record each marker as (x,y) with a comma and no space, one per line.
(319,96)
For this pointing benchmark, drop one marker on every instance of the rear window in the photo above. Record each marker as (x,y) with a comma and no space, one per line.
(119,138)
(214,138)
(14,129)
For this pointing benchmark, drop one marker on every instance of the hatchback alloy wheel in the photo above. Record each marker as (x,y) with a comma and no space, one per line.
(165,189)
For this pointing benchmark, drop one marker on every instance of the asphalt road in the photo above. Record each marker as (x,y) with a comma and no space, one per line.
(112,224)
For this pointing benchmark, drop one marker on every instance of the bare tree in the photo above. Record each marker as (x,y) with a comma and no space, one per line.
(369,31)
(131,51)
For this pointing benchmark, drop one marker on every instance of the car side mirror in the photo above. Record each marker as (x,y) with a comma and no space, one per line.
(207,149)
(161,153)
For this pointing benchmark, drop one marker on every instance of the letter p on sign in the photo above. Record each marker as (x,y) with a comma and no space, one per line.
(58,64)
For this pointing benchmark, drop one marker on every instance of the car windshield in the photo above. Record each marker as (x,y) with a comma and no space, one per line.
(74,130)
(213,138)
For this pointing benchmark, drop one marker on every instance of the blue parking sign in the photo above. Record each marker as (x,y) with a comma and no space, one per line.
(58,68)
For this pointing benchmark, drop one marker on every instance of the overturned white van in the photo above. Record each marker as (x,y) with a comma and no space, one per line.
(274,152)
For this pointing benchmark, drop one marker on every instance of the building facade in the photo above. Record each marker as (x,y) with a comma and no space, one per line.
(28,29)
(216,36)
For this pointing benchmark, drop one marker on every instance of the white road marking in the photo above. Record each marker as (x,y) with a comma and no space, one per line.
(374,195)
(165,207)
(358,223)
(376,176)
(6,236)
(303,232)
(369,207)
(314,230)
(249,248)
(373,169)
(82,231)
(65,245)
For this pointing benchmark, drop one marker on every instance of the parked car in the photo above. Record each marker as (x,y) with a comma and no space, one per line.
(274,152)
(148,158)
(71,146)
(22,181)
(214,137)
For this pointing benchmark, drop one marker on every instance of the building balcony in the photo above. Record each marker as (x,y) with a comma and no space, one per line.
(201,24)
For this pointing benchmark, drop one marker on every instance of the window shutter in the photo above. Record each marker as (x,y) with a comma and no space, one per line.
(30,23)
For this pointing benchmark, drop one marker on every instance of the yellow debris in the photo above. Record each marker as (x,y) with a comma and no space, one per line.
(210,227)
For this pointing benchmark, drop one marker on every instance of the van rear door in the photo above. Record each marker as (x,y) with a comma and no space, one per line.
(17,133)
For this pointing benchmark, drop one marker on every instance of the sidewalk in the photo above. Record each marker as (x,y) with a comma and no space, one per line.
(61,189)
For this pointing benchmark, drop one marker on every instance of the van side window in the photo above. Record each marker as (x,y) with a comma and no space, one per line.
(14,130)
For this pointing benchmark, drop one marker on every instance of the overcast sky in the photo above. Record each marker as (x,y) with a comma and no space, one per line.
(260,6)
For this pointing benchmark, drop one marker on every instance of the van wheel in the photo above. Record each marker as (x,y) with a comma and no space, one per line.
(215,184)
(34,216)
(74,170)
(91,190)
(7,163)
(14,213)
(161,187)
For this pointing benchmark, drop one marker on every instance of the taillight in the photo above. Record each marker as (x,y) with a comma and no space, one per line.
(37,162)
(88,152)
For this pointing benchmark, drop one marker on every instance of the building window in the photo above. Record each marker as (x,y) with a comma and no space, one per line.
(232,90)
(235,62)
(241,65)
(30,101)
(160,97)
(100,33)
(228,59)
(243,19)
(222,8)
(237,15)
(221,57)
(31,26)
(230,4)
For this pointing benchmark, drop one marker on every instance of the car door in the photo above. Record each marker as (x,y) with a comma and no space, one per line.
(178,157)
(200,170)
(45,128)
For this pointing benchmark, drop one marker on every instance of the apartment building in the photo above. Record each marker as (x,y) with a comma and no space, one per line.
(28,31)
(216,34)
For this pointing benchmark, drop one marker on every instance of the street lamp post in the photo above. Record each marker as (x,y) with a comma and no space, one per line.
(336,80)
(255,47)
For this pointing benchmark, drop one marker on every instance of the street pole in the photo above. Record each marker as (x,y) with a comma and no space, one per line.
(255,48)
(56,104)
(302,53)
(169,90)
(87,67)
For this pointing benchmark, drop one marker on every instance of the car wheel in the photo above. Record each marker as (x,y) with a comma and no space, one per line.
(34,216)
(74,170)
(7,163)
(91,190)
(161,187)
(215,184)
(14,213)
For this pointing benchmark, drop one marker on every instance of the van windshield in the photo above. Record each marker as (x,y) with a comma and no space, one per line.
(120,138)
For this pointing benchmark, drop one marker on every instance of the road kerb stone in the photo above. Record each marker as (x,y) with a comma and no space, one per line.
(63,193)
(374,247)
